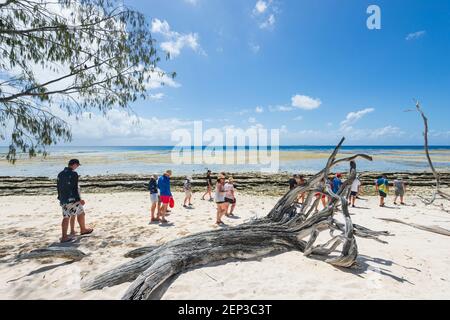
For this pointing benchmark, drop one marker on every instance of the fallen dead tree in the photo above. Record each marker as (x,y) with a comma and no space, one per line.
(288,226)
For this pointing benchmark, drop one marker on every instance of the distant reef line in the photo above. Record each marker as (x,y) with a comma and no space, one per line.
(251,182)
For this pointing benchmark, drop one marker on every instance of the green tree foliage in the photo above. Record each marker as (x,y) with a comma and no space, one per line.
(72,55)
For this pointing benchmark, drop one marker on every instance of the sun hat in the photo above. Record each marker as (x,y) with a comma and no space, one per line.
(220,176)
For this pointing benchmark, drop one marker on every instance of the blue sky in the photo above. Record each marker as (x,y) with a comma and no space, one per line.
(310,68)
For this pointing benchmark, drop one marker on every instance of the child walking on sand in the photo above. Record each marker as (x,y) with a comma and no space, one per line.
(187,188)
(153,189)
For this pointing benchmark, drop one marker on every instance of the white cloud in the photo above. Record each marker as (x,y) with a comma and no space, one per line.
(280,108)
(259,109)
(415,35)
(353,117)
(260,7)
(384,132)
(299,118)
(119,126)
(251,120)
(254,47)
(156,96)
(175,41)
(268,23)
(265,13)
(305,102)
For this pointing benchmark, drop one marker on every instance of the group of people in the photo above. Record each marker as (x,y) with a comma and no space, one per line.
(224,196)
(335,182)
(382,187)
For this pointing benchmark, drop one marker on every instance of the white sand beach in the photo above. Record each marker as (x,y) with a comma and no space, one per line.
(413,265)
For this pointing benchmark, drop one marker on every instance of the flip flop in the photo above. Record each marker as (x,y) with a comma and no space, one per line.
(69,239)
(89,231)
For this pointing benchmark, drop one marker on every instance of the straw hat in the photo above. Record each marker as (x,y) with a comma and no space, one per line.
(220,176)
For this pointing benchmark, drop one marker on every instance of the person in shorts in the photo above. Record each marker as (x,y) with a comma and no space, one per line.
(382,187)
(355,189)
(400,189)
(219,198)
(187,188)
(209,186)
(165,194)
(230,198)
(70,200)
(154,198)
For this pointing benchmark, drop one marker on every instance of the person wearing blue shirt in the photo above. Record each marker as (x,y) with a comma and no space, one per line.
(337,182)
(165,194)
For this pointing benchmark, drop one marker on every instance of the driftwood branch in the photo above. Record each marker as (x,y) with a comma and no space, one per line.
(288,226)
(434,229)
(436,175)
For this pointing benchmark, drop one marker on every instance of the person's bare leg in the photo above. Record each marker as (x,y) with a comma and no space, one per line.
(324,202)
(401,200)
(395,200)
(232,207)
(72,226)
(163,213)
(218,221)
(82,222)
(64,228)
(225,208)
(152,212)
(159,210)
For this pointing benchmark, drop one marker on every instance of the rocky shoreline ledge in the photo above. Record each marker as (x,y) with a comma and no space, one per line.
(253,183)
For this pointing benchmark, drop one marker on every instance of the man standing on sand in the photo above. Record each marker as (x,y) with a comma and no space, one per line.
(208,186)
(165,194)
(70,201)
(382,186)
(400,188)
